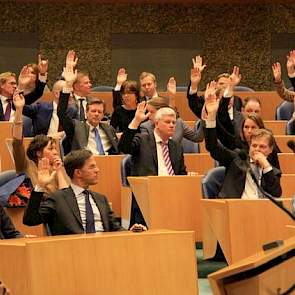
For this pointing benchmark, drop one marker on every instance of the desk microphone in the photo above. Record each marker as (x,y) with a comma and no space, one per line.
(245,158)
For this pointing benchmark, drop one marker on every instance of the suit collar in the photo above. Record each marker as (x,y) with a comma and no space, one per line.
(71,200)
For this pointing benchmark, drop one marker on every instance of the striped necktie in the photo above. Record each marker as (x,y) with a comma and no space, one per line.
(8,109)
(166,158)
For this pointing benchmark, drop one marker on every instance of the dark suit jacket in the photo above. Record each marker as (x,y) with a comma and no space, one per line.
(29,98)
(181,131)
(235,175)
(7,229)
(142,147)
(41,114)
(229,132)
(61,212)
(196,102)
(77,132)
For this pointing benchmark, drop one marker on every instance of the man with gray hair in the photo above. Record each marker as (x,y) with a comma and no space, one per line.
(153,152)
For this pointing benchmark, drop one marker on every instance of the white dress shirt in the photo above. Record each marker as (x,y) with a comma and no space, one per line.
(80,196)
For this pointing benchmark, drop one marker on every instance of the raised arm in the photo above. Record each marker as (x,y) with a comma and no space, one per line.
(128,144)
(282,91)
(24,79)
(217,151)
(196,102)
(171,91)
(66,121)
(121,78)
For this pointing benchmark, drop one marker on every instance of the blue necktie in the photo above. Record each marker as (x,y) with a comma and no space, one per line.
(99,145)
(90,227)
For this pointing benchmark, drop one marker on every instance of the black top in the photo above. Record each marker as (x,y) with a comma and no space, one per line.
(121,118)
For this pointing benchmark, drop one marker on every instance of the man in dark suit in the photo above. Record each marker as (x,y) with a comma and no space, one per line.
(7,87)
(238,182)
(146,148)
(153,152)
(44,114)
(196,102)
(7,229)
(76,209)
(98,137)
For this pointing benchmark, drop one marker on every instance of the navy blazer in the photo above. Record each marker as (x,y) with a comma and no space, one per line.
(29,98)
(41,114)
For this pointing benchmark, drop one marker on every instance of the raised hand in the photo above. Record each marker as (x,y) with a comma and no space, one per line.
(42,65)
(195,77)
(18,100)
(24,77)
(140,114)
(57,163)
(69,74)
(171,86)
(71,59)
(121,76)
(235,77)
(211,100)
(198,63)
(45,176)
(277,72)
(291,62)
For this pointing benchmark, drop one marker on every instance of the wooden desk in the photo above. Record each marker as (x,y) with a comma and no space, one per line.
(109,182)
(16,215)
(123,263)
(242,226)
(277,127)
(287,163)
(282,140)
(288,185)
(264,273)
(171,202)
(6,159)
(198,163)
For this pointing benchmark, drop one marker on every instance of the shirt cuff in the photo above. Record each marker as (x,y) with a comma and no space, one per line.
(117,87)
(210,124)
(39,189)
(191,92)
(267,169)
(43,78)
(66,89)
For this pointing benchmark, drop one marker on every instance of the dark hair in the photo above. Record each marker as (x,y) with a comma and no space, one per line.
(255,118)
(91,101)
(158,102)
(38,143)
(76,160)
(131,86)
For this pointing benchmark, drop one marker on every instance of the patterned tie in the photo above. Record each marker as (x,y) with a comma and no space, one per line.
(98,141)
(166,157)
(82,111)
(256,171)
(8,109)
(90,227)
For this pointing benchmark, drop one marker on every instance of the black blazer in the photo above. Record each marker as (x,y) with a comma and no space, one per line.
(61,212)
(235,174)
(7,229)
(142,147)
